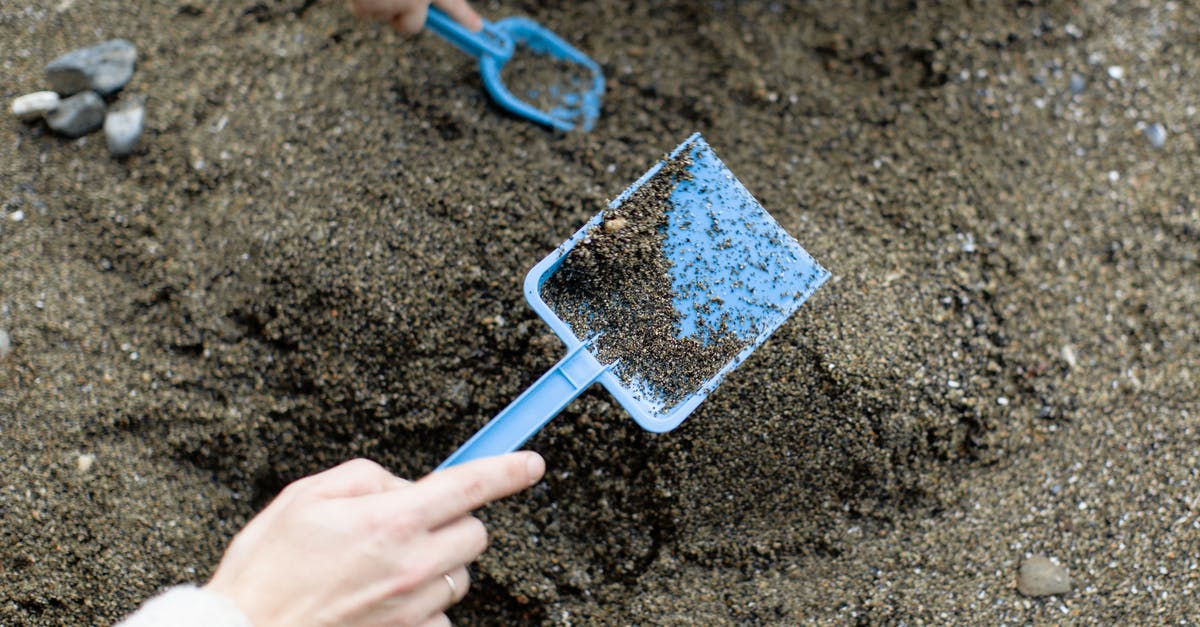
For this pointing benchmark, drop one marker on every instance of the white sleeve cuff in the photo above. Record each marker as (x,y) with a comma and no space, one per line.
(187,606)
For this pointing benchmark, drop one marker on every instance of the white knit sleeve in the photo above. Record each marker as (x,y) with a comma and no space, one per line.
(187,606)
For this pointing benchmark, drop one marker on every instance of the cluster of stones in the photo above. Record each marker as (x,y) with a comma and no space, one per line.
(80,81)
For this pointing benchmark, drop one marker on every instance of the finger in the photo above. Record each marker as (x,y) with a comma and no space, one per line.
(357,477)
(440,620)
(447,494)
(462,577)
(425,602)
(460,11)
(411,21)
(431,597)
(462,584)
(359,9)
(450,547)
(378,10)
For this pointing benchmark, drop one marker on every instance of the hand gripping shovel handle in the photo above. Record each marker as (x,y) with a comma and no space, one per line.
(488,41)
(533,409)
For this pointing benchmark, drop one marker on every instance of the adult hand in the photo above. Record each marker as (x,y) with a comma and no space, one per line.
(408,16)
(356,545)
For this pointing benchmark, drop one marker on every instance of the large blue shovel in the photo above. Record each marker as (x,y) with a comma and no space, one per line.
(735,276)
(576,96)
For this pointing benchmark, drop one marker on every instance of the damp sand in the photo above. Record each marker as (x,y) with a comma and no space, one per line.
(318,253)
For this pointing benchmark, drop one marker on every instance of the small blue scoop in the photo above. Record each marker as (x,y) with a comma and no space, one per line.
(732,268)
(575,96)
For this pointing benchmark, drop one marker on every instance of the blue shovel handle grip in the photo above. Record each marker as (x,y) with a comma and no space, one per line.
(533,408)
(488,41)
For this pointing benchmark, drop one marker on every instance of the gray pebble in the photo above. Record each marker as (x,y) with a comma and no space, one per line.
(5,344)
(1077,84)
(1157,134)
(123,127)
(1039,577)
(104,68)
(78,115)
(33,106)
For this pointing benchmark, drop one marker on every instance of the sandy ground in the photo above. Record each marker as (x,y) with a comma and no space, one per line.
(317,253)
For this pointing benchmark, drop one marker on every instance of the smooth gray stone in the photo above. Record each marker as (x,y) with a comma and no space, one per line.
(36,105)
(103,68)
(123,127)
(1039,577)
(78,115)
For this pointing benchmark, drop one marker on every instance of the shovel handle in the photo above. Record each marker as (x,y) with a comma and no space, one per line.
(533,409)
(487,41)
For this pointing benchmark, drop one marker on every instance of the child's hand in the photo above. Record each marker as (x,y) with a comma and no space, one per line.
(356,545)
(408,16)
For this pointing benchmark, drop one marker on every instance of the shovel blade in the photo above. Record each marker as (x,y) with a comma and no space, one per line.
(733,276)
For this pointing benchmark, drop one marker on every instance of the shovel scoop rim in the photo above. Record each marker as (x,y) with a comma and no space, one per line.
(541,40)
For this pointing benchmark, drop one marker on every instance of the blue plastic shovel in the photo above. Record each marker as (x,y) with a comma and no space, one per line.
(731,267)
(577,102)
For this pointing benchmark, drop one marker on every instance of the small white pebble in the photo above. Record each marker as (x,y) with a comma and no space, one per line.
(84,462)
(33,106)
(1116,72)
(1002,401)
(1068,355)
(615,224)
(1114,176)
(5,344)
(17,215)
(1039,576)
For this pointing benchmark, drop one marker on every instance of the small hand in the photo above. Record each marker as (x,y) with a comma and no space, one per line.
(408,16)
(356,545)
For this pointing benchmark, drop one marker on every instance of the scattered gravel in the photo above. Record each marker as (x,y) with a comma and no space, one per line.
(89,73)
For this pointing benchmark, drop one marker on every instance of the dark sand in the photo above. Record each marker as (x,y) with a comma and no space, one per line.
(317,253)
